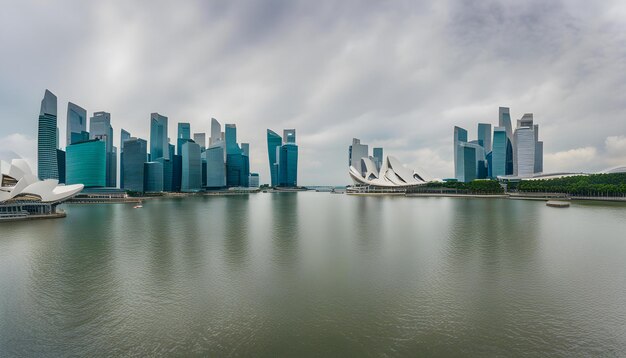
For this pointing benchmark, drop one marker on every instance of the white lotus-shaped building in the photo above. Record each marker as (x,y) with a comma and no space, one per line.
(18,184)
(391,174)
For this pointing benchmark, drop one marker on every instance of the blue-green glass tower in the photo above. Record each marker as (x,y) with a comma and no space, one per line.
(135,155)
(158,137)
(283,158)
(191,179)
(47,165)
(184,134)
(288,166)
(153,177)
(499,152)
(274,142)
(86,163)
(460,137)
(76,124)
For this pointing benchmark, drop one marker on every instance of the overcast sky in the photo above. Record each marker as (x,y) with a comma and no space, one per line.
(396,74)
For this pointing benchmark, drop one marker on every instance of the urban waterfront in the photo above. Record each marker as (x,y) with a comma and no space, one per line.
(298,274)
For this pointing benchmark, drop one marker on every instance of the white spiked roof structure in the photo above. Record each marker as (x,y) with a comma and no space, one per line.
(392,174)
(17,182)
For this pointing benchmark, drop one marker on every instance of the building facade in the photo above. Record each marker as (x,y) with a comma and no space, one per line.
(47,166)
(158,137)
(86,163)
(191,179)
(135,155)
(76,124)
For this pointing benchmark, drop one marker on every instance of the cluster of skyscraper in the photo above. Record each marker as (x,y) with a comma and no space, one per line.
(283,158)
(506,152)
(357,152)
(91,158)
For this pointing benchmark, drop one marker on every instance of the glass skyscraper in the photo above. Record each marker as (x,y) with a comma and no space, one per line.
(100,128)
(283,158)
(158,137)
(184,133)
(460,137)
(356,152)
(61,165)
(191,179)
(47,165)
(288,167)
(499,152)
(378,156)
(153,177)
(200,139)
(289,135)
(135,155)
(76,124)
(216,168)
(86,163)
(124,136)
(274,142)
(484,136)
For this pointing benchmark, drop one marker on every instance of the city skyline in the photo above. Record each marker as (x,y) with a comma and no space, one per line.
(564,62)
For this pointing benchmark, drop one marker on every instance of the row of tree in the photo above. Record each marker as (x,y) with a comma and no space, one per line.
(584,185)
(473,187)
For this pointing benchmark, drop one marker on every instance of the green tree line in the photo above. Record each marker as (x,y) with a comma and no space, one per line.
(473,187)
(588,185)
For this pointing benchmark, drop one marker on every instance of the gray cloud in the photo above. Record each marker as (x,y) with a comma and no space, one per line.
(399,74)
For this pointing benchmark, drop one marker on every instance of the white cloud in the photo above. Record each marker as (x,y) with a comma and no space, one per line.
(573,160)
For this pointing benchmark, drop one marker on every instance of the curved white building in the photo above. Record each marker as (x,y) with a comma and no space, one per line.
(392,174)
(23,194)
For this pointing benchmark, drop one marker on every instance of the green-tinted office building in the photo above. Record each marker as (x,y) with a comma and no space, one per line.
(85,163)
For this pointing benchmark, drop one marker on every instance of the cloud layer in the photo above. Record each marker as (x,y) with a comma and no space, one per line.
(398,74)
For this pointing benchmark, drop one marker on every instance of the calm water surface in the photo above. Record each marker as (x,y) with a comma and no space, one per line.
(316,274)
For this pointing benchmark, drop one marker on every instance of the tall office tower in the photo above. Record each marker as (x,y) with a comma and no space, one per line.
(61,165)
(124,136)
(230,137)
(524,148)
(484,136)
(216,132)
(158,137)
(356,152)
(203,170)
(76,124)
(184,133)
(245,149)
(47,165)
(499,152)
(135,155)
(253,181)
(100,128)
(200,139)
(216,169)
(177,173)
(481,159)
(538,151)
(468,156)
(153,177)
(504,120)
(274,142)
(168,167)
(57,145)
(191,179)
(87,163)
(460,136)
(288,165)
(289,135)
(237,170)
(378,158)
